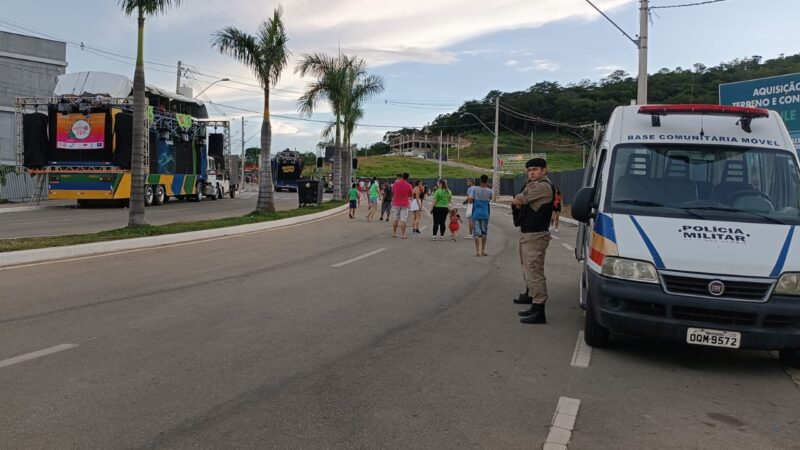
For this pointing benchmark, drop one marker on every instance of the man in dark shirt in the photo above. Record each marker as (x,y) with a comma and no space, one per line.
(386,205)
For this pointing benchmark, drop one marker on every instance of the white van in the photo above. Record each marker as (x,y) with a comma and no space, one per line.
(688,233)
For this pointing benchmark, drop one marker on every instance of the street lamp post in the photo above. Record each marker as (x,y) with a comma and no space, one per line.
(213,83)
(495,173)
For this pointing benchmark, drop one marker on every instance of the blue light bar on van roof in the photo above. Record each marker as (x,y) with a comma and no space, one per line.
(716,110)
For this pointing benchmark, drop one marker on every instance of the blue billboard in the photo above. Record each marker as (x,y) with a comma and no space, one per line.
(780,93)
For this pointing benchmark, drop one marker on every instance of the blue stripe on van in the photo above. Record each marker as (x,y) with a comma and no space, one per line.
(604,226)
(653,252)
(782,256)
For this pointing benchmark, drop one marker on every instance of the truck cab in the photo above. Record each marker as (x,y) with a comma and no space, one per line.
(688,229)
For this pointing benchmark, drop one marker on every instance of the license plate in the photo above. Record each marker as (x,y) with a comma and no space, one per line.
(713,338)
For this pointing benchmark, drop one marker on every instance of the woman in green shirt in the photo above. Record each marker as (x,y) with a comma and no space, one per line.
(441,207)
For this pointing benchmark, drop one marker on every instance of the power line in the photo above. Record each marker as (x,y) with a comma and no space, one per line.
(687,4)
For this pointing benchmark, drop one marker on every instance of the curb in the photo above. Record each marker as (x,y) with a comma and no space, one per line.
(10,259)
(27,208)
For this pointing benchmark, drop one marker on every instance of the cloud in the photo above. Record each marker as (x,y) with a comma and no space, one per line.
(609,68)
(540,65)
(512,62)
(413,30)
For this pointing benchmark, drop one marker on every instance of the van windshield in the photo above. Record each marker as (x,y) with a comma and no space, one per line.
(705,182)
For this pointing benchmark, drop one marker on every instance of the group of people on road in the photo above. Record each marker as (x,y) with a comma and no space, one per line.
(536,209)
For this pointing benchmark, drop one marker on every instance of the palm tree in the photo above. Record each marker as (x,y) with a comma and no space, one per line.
(330,73)
(266,54)
(142,8)
(360,87)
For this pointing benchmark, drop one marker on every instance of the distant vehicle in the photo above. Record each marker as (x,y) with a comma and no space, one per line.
(287,168)
(689,220)
(422,156)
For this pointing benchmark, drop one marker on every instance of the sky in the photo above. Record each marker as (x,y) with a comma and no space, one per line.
(432,54)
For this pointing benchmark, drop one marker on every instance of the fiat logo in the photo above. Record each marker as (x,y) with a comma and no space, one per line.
(716,288)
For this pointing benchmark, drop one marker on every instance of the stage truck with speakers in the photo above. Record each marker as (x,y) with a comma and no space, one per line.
(79,143)
(287,168)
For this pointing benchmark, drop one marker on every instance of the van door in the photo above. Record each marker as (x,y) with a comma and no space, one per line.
(596,160)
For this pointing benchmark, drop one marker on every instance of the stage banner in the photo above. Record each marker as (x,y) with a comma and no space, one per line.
(81,132)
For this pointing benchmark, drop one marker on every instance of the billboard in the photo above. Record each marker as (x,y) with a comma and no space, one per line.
(780,93)
(80,132)
(515,163)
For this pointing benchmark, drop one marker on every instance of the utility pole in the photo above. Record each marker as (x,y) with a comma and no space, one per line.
(531,142)
(641,45)
(243,153)
(495,173)
(641,92)
(178,81)
(440,154)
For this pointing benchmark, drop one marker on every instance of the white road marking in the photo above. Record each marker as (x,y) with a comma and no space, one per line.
(568,247)
(582,355)
(424,227)
(365,255)
(555,237)
(562,425)
(36,354)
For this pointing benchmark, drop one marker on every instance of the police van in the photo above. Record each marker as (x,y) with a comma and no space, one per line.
(688,229)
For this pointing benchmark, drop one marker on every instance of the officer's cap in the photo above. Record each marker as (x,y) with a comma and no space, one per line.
(536,162)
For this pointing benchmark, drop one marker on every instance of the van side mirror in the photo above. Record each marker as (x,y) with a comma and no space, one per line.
(582,205)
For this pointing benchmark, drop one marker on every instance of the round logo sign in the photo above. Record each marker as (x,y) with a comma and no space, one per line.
(81,129)
(716,288)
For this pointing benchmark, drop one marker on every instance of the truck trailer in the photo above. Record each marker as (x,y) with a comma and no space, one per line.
(79,143)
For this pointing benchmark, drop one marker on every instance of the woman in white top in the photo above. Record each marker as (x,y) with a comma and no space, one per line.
(416,207)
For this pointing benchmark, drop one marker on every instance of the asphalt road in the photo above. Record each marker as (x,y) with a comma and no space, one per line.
(72,219)
(334,335)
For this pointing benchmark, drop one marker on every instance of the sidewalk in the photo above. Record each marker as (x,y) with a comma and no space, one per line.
(25,206)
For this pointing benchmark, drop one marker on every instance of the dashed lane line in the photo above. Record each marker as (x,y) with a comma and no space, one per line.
(568,247)
(36,354)
(582,356)
(357,258)
(563,423)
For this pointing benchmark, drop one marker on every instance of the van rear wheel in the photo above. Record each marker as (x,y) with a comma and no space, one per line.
(594,334)
(790,357)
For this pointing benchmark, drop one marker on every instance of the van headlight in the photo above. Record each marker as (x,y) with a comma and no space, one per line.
(629,269)
(788,284)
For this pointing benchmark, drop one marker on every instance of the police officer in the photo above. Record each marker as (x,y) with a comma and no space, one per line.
(535,203)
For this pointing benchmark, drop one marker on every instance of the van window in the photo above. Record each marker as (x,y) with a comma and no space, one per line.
(705,182)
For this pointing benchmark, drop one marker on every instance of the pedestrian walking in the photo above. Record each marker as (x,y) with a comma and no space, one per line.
(453,226)
(374,197)
(353,196)
(386,204)
(416,207)
(441,207)
(535,205)
(470,206)
(480,197)
(556,210)
(401,201)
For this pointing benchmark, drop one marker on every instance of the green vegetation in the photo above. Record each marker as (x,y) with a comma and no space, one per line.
(564,152)
(10,245)
(389,166)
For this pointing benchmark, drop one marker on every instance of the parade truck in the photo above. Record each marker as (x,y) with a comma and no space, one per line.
(78,143)
(287,168)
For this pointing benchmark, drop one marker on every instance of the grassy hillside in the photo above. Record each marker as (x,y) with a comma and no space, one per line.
(563,151)
(389,166)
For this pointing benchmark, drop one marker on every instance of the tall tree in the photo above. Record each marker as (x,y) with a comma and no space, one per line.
(141,8)
(266,54)
(360,86)
(330,75)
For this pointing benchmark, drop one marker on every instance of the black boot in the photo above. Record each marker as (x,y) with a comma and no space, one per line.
(523,299)
(537,315)
(526,312)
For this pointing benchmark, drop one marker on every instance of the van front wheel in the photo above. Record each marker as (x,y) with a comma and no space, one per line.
(790,357)
(594,334)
